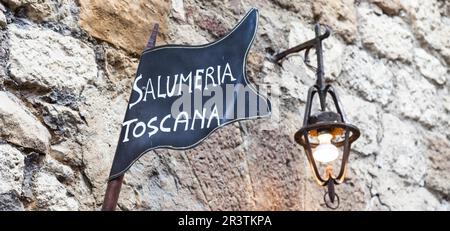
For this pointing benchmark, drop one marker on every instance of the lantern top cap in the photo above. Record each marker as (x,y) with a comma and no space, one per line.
(324,116)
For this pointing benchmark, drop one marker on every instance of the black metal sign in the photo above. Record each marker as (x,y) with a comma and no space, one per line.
(182,94)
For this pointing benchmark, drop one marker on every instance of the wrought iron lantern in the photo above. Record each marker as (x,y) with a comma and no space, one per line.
(324,131)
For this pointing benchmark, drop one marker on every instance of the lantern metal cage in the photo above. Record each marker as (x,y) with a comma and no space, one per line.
(325,121)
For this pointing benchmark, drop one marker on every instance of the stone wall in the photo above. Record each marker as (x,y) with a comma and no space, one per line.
(66,67)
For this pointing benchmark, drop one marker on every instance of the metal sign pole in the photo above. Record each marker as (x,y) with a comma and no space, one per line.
(112,194)
(114,185)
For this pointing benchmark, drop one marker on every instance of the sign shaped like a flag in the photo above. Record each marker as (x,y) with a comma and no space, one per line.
(182,94)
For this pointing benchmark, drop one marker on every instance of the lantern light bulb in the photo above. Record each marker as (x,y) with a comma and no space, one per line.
(325,152)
